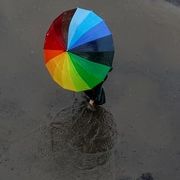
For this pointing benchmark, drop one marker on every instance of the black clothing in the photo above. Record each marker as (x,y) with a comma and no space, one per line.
(97,94)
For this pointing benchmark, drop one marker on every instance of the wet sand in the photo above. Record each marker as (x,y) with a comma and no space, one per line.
(143,92)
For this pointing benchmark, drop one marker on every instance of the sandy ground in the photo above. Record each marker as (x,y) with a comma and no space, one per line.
(143,92)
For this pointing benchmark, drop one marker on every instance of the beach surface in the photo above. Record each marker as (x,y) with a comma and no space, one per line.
(143,93)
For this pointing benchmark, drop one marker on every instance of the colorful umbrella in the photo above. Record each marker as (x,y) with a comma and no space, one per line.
(78,50)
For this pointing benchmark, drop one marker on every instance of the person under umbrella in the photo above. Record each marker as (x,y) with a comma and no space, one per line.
(78,52)
(96,96)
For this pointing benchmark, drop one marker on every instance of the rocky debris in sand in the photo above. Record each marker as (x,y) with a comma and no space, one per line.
(146,176)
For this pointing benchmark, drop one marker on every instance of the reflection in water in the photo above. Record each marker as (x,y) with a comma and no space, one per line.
(88,136)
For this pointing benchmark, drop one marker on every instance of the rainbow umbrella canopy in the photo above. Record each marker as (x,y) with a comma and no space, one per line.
(78,50)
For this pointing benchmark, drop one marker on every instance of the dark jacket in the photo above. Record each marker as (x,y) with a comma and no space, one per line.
(97,94)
